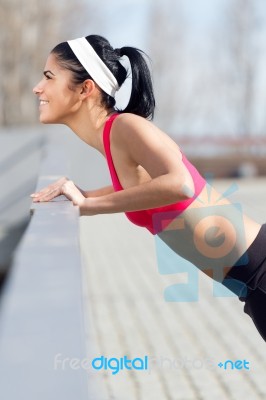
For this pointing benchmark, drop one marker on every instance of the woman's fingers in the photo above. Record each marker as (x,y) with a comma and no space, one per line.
(49,192)
(46,194)
(67,188)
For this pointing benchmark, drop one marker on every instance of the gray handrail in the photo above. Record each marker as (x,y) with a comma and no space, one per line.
(42,309)
(13,161)
(21,191)
(18,155)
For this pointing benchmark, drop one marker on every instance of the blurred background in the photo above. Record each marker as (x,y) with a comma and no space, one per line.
(208,65)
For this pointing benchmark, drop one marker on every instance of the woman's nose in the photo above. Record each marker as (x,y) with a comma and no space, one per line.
(37,89)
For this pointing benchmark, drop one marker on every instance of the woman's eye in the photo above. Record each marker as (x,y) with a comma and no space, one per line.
(47,75)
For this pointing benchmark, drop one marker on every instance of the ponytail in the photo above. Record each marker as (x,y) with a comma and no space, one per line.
(142,101)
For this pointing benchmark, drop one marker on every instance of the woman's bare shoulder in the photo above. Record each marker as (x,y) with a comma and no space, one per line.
(142,128)
(132,120)
(131,127)
(140,138)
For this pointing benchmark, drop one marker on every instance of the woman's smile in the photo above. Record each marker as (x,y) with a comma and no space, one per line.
(43,102)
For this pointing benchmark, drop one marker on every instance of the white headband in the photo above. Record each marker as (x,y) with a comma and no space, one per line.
(93,64)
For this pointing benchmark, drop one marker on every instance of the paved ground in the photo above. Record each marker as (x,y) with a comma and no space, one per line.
(184,341)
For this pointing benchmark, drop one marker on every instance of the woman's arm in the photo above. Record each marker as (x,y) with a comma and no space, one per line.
(158,192)
(141,143)
(98,192)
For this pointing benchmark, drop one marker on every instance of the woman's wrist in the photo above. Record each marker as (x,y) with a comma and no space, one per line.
(88,206)
(96,205)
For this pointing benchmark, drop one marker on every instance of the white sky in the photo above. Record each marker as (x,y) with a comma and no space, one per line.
(124,22)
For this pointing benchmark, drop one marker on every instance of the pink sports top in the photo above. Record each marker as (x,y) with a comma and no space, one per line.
(155,219)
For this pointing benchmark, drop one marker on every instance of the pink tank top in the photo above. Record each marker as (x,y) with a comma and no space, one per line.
(155,219)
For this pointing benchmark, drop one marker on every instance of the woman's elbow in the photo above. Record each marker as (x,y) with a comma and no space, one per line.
(178,188)
(186,189)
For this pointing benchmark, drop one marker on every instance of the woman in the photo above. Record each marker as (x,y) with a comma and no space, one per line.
(153,182)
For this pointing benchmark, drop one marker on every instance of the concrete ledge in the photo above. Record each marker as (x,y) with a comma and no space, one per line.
(19,166)
(41,314)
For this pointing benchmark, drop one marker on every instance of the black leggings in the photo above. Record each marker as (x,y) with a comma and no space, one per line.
(248,281)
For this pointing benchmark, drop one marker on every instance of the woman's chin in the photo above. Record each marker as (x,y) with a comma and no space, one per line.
(47,120)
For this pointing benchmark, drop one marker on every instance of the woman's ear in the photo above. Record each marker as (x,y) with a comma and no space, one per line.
(87,88)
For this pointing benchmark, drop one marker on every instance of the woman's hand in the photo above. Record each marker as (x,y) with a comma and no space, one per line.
(70,190)
(49,192)
(61,187)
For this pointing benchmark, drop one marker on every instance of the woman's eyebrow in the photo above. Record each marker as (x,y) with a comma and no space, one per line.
(48,71)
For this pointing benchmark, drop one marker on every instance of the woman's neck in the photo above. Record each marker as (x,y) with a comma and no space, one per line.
(88,126)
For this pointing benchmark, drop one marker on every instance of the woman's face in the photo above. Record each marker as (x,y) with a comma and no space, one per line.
(58,103)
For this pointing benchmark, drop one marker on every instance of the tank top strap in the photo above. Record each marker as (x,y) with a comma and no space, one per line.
(106,143)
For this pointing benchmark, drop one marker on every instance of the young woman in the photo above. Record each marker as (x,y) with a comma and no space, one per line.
(152,181)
